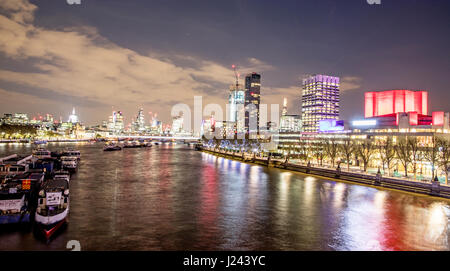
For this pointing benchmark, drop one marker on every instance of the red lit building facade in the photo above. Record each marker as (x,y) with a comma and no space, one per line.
(402,108)
(395,101)
(389,115)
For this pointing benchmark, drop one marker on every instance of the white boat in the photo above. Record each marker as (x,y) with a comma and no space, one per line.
(52,207)
(72,153)
(69,163)
(42,153)
(15,164)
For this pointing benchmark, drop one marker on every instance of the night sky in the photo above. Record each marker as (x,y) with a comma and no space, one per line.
(116,54)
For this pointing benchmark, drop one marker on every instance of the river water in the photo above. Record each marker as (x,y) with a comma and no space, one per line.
(170,197)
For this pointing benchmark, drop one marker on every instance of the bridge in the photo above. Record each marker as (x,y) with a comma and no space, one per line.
(162,138)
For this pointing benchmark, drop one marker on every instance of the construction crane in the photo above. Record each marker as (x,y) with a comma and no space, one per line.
(236,74)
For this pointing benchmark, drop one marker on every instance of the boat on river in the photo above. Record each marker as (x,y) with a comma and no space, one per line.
(132,144)
(40,142)
(18,197)
(69,163)
(42,153)
(112,147)
(52,207)
(71,153)
(15,164)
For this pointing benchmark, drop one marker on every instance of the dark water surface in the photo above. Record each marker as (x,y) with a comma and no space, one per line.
(174,198)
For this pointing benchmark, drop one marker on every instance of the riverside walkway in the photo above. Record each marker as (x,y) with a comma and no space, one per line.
(425,188)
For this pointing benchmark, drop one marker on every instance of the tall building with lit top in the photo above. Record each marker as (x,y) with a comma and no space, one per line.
(289,123)
(236,102)
(320,101)
(73,118)
(116,124)
(139,123)
(252,96)
(178,125)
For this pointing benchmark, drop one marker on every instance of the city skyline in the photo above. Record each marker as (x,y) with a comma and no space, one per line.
(98,65)
(237,126)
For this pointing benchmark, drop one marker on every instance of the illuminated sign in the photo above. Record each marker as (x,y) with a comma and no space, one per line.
(331,125)
(364,123)
(395,101)
(53,198)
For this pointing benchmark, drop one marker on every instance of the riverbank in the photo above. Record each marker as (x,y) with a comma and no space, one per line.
(434,189)
(25,141)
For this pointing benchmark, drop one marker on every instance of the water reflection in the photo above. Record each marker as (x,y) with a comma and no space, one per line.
(170,197)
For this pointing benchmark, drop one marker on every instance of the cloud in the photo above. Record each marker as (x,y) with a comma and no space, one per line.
(349,83)
(272,95)
(255,65)
(20,11)
(9,102)
(82,64)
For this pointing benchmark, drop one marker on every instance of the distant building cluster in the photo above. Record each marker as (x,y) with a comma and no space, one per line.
(115,126)
(386,113)
(20,125)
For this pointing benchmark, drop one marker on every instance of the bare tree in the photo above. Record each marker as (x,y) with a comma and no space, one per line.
(331,149)
(291,149)
(387,153)
(416,153)
(304,150)
(319,152)
(444,159)
(347,148)
(403,151)
(365,150)
(431,154)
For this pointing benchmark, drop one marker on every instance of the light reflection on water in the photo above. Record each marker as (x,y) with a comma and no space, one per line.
(173,198)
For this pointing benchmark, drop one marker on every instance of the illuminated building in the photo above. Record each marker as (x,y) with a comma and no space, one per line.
(393,121)
(327,126)
(289,123)
(139,123)
(7,118)
(15,119)
(115,123)
(320,101)
(208,126)
(284,112)
(399,110)
(252,97)
(390,102)
(156,125)
(226,129)
(73,118)
(236,101)
(177,125)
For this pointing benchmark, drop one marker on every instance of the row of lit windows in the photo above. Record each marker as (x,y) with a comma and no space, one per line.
(320,105)
(321,84)
(317,100)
